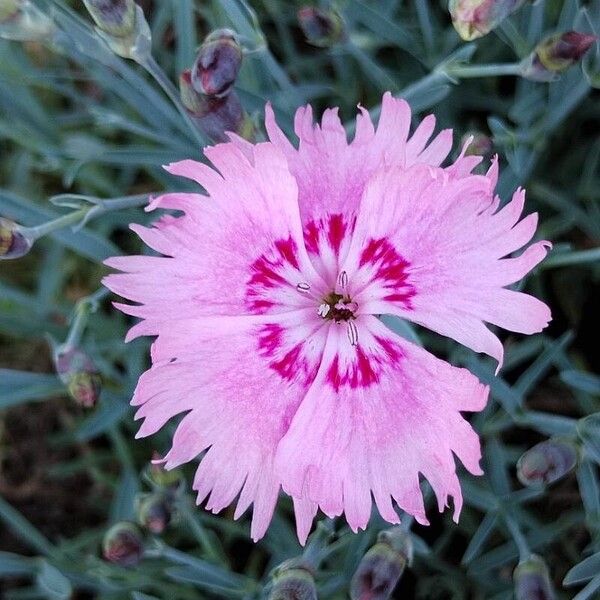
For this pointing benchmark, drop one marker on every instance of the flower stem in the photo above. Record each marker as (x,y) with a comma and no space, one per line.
(518,537)
(491,70)
(84,308)
(154,69)
(45,228)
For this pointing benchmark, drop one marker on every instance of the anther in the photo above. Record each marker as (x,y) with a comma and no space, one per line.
(303,287)
(352,333)
(343,279)
(324,310)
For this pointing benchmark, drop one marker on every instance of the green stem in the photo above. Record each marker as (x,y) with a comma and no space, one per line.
(518,537)
(471,71)
(64,221)
(85,307)
(154,69)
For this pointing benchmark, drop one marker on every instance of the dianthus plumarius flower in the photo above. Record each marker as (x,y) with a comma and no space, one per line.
(265,304)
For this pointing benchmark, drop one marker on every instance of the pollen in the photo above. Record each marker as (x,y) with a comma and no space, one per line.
(337,307)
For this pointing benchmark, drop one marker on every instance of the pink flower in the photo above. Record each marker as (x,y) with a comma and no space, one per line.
(266,306)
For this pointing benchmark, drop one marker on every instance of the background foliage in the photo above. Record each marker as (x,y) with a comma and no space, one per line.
(84,121)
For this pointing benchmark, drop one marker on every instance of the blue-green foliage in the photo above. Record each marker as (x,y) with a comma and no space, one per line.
(78,118)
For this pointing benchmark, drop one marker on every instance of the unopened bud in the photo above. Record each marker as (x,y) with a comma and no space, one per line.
(123,26)
(217,65)
(23,21)
(8,9)
(123,544)
(214,115)
(293,580)
(532,580)
(154,512)
(556,54)
(546,462)
(321,28)
(382,566)
(480,145)
(78,372)
(115,17)
(14,241)
(473,19)
(160,477)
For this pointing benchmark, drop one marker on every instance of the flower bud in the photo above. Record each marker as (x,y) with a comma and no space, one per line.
(532,580)
(546,462)
(382,566)
(214,115)
(480,145)
(218,62)
(293,580)
(123,544)
(154,512)
(14,241)
(23,21)
(321,28)
(9,9)
(556,54)
(160,477)
(115,17)
(473,19)
(78,372)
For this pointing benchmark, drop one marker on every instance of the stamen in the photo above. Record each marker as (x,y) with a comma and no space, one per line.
(324,309)
(352,333)
(303,287)
(343,279)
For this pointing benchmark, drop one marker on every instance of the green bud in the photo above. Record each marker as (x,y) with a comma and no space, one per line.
(9,9)
(123,544)
(79,373)
(547,462)
(160,477)
(321,28)
(293,580)
(14,241)
(382,566)
(480,145)
(154,512)
(532,580)
(555,54)
(23,21)
(123,26)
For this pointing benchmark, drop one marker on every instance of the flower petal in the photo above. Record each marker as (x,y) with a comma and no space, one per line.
(238,251)
(240,392)
(441,244)
(377,416)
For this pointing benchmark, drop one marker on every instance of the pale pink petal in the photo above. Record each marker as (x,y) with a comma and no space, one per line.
(376,417)
(431,248)
(247,233)
(240,384)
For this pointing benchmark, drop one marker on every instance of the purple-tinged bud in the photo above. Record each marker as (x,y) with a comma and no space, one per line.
(115,17)
(293,580)
(547,462)
(123,544)
(321,28)
(382,566)
(480,145)
(14,241)
(215,115)
(217,65)
(473,19)
(556,54)
(154,512)
(79,373)
(532,580)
